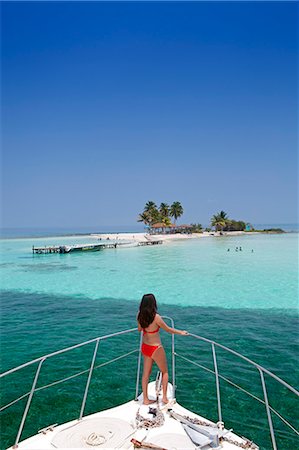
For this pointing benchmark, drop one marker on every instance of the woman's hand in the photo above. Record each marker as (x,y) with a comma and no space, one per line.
(184,332)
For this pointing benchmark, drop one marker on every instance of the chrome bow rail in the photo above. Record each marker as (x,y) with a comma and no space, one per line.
(262,371)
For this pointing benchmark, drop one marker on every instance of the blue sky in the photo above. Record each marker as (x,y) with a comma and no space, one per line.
(108,105)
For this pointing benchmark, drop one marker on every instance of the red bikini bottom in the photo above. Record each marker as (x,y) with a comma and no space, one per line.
(149,350)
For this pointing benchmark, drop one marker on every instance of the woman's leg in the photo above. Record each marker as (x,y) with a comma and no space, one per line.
(147,368)
(160,359)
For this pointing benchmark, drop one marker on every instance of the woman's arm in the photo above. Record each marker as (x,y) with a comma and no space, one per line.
(165,327)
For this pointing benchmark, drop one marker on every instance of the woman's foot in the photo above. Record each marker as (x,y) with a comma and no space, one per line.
(148,402)
(165,400)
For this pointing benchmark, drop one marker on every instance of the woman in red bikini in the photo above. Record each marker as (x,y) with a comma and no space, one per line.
(149,322)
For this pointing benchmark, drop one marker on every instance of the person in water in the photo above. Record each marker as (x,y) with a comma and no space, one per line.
(149,322)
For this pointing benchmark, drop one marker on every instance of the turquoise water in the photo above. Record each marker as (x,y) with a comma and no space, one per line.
(245,300)
(190,273)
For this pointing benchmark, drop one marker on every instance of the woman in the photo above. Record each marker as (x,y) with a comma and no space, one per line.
(149,322)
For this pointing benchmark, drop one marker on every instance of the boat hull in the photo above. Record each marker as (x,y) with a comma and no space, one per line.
(117,427)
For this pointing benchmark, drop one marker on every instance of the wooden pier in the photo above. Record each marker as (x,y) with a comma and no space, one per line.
(142,243)
(87,247)
(44,250)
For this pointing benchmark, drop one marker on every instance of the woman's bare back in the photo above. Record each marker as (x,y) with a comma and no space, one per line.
(151,335)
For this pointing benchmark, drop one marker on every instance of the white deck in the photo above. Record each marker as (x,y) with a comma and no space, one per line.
(114,428)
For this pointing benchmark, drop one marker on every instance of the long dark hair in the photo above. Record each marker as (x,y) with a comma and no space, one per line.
(147,310)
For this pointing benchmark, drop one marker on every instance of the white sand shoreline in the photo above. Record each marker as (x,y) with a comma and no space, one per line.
(126,236)
(143,237)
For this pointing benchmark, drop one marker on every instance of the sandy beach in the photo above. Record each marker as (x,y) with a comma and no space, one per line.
(166,238)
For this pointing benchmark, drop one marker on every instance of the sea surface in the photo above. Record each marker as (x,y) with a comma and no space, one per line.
(246,300)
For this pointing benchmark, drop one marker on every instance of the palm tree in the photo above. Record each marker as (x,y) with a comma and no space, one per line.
(196,227)
(155,216)
(164,210)
(150,214)
(219,221)
(152,210)
(176,210)
(166,221)
(144,217)
(150,206)
(223,215)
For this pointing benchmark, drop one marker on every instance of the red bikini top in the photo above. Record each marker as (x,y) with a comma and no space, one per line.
(151,332)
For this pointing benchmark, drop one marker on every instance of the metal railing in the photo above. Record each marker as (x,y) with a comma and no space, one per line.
(262,371)
(40,362)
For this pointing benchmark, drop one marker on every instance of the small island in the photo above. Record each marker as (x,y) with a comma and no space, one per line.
(161,225)
(158,220)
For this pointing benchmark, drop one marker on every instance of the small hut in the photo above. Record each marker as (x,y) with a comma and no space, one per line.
(161,227)
(184,228)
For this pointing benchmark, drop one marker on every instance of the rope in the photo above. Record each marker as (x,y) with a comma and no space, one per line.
(144,422)
(95,439)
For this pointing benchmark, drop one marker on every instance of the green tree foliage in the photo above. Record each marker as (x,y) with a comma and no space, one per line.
(235,225)
(176,210)
(144,217)
(151,214)
(150,206)
(196,228)
(219,221)
(223,215)
(164,210)
(166,221)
